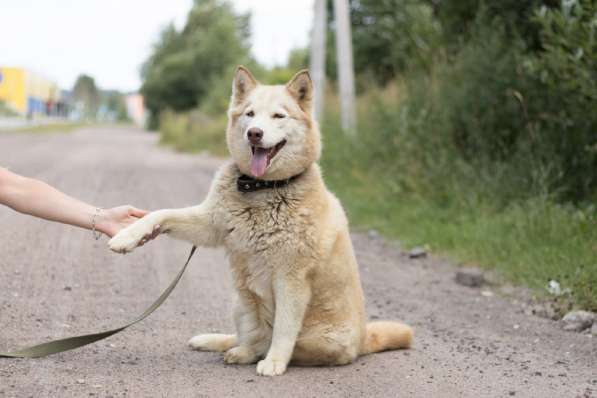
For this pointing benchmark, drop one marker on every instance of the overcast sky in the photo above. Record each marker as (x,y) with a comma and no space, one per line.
(109,39)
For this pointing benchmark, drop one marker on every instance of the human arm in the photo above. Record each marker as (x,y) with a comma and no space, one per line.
(38,199)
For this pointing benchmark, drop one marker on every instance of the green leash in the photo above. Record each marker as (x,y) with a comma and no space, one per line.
(70,343)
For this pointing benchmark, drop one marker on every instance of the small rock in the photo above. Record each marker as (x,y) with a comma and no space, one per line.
(68,288)
(81,381)
(487,293)
(417,252)
(470,277)
(577,321)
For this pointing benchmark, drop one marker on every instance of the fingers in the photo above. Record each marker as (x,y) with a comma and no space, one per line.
(133,211)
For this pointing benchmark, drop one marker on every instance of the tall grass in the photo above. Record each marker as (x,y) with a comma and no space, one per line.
(398,178)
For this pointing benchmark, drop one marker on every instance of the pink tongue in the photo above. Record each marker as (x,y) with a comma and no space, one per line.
(259,162)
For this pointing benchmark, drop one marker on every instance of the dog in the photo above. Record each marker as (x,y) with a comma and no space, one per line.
(298,291)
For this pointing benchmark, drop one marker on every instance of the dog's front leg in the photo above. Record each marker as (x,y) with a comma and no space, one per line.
(292,294)
(197,224)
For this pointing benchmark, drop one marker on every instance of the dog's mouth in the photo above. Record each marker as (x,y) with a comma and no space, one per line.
(262,157)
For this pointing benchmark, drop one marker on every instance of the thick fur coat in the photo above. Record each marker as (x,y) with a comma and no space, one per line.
(298,294)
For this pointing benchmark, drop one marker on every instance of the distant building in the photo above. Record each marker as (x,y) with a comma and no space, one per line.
(30,94)
(135,109)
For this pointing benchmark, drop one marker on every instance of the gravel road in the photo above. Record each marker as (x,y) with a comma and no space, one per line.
(56,281)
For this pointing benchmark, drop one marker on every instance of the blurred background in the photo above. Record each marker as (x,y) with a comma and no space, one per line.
(466,127)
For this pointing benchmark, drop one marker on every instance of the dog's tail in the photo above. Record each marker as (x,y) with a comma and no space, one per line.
(386,335)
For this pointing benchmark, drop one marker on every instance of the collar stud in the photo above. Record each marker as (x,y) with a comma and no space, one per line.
(245,183)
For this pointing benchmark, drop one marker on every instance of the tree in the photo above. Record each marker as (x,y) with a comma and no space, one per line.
(388,37)
(185,64)
(86,96)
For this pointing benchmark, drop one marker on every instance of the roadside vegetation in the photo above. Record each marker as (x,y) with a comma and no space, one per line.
(477,132)
(55,127)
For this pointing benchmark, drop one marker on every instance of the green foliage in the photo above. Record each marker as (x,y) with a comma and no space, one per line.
(406,188)
(490,155)
(460,19)
(194,131)
(490,116)
(389,37)
(186,64)
(564,122)
(298,59)
(398,34)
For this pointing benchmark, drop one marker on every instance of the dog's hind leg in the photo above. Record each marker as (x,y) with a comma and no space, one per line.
(213,342)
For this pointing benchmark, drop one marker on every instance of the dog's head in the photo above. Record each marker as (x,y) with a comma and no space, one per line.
(271,133)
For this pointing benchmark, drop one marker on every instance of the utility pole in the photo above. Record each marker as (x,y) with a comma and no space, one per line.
(317,66)
(345,65)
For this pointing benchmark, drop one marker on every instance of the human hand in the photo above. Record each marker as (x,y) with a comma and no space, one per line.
(111,221)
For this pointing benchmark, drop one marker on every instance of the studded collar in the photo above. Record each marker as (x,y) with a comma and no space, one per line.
(245,183)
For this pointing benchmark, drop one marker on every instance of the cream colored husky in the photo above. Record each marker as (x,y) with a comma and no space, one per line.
(298,292)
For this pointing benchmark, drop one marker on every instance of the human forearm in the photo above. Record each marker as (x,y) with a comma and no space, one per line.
(36,198)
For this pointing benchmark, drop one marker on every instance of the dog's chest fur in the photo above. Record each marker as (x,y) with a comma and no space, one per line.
(266,231)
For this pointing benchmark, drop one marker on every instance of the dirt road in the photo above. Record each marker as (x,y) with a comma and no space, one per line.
(57,281)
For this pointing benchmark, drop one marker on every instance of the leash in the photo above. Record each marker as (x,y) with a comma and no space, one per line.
(70,343)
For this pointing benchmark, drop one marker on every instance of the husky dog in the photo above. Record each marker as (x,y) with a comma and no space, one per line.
(296,279)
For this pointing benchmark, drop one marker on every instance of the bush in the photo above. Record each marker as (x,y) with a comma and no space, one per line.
(193,132)
(507,122)
(563,123)
(460,19)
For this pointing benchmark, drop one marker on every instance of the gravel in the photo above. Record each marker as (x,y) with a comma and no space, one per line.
(465,342)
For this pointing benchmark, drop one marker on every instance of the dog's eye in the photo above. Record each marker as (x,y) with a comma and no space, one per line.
(250,114)
(278,116)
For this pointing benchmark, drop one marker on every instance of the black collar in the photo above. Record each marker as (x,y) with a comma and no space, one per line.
(245,183)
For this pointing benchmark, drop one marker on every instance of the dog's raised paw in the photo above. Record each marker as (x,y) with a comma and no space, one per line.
(271,367)
(123,242)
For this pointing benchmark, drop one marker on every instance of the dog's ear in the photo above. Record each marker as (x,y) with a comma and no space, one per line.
(301,88)
(243,84)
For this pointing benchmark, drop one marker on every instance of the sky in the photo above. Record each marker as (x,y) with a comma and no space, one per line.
(110,39)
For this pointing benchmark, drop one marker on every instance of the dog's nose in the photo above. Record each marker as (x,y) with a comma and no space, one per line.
(255,135)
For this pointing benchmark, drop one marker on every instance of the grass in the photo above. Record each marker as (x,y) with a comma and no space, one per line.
(527,243)
(60,127)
